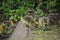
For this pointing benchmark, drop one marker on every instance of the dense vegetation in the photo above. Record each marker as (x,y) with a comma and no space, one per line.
(12,10)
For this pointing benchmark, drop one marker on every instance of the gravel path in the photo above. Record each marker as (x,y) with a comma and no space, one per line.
(20,32)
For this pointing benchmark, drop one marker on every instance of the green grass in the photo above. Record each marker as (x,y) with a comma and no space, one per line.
(51,34)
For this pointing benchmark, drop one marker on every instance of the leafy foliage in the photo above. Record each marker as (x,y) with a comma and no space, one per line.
(13,10)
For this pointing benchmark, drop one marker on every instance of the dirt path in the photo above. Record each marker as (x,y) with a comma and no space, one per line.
(20,32)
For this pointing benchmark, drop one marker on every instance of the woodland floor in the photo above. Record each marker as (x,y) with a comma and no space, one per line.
(52,34)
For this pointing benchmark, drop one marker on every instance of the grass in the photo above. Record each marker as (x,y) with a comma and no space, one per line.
(52,34)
